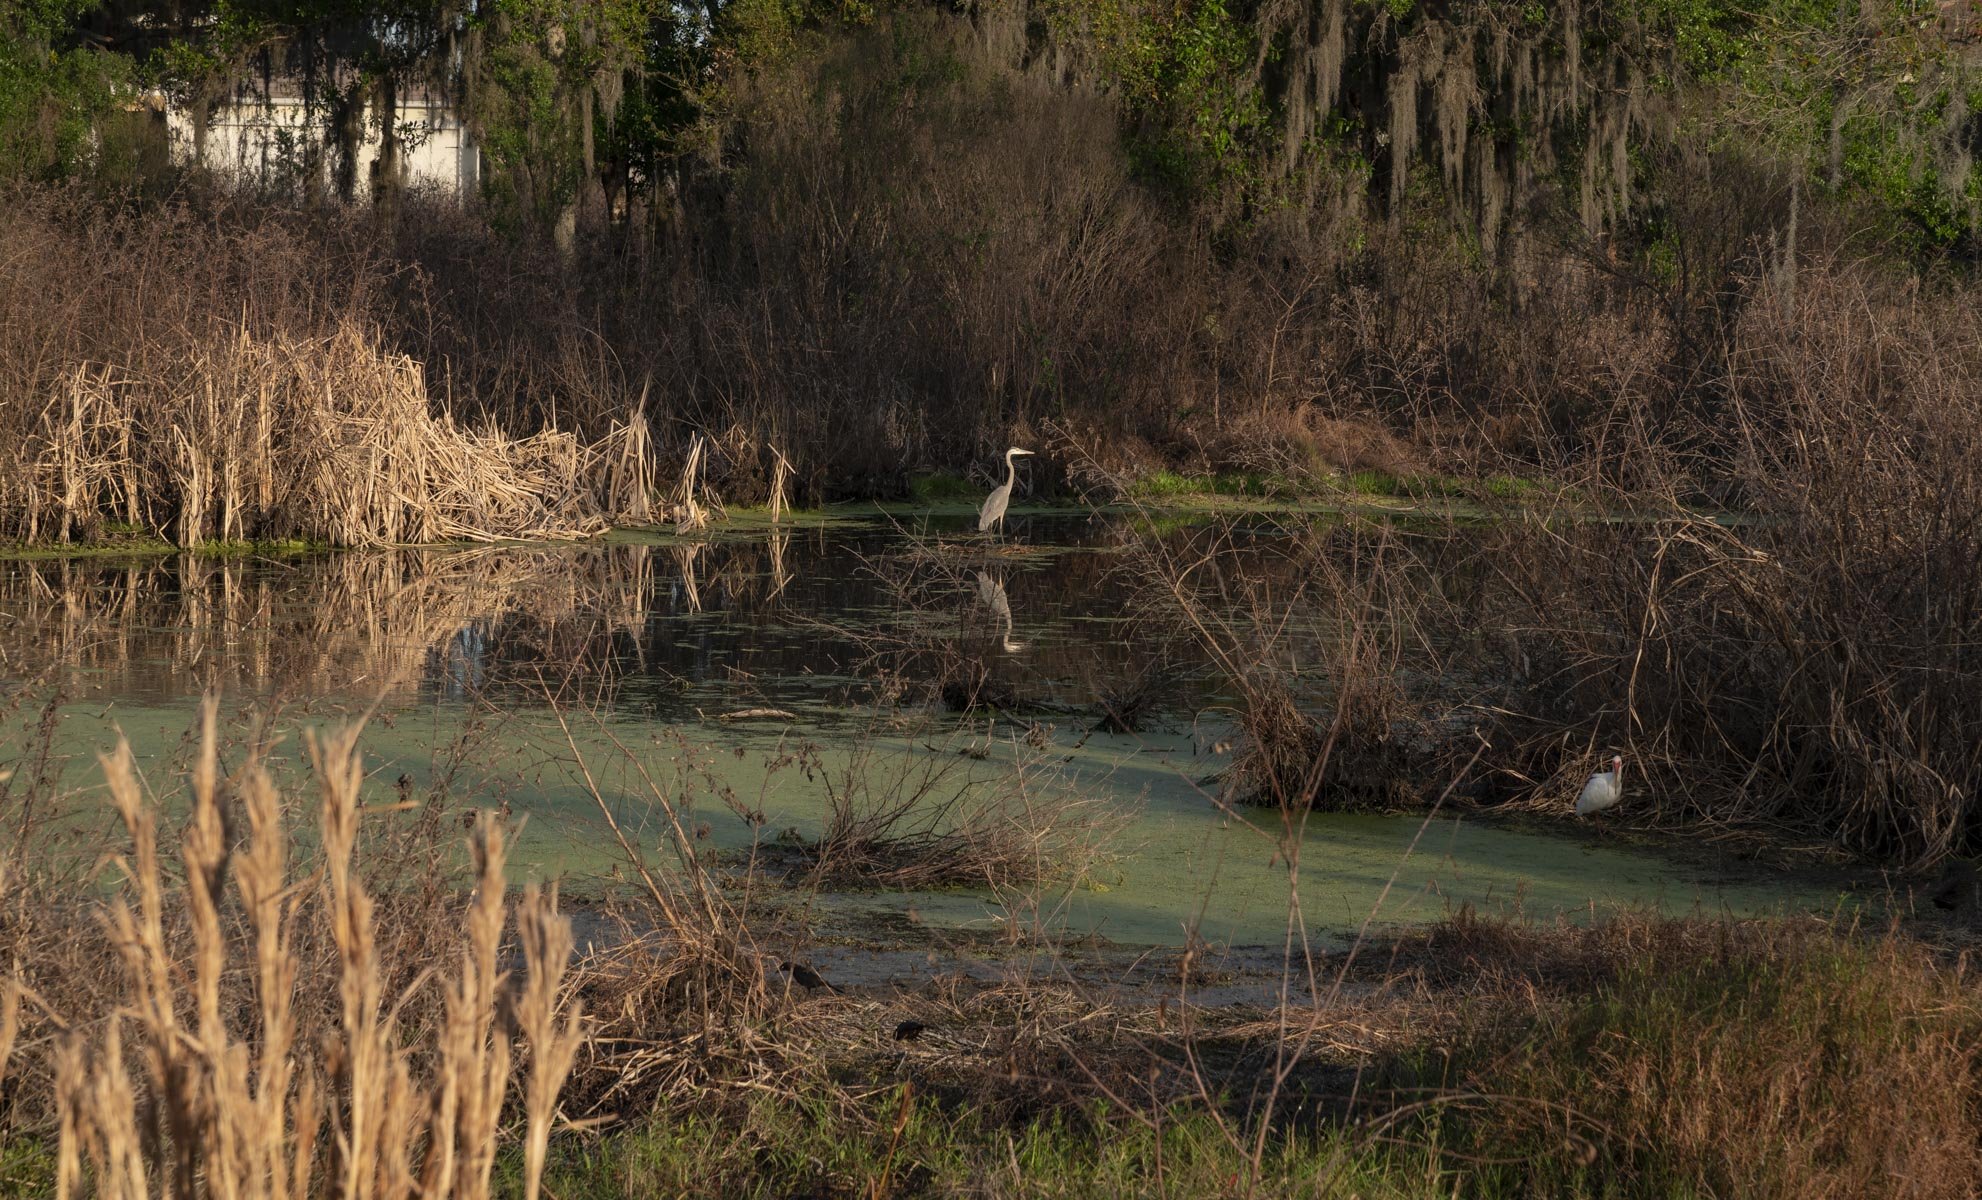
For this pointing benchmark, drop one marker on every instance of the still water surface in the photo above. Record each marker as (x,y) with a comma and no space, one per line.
(839,636)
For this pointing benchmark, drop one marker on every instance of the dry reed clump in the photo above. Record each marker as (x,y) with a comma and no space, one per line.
(225,1068)
(1298,440)
(324,438)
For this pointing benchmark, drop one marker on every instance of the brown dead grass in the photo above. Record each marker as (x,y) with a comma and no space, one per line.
(231,1066)
(317,438)
(1665,1057)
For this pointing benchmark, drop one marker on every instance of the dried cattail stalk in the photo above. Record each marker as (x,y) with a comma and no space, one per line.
(475,1055)
(238,1117)
(10,1021)
(546,937)
(780,479)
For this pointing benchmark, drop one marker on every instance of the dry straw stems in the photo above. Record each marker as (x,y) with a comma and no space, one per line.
(202,1083)
(323,438)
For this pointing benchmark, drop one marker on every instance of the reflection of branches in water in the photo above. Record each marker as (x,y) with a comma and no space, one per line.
(456,623)
(946,630)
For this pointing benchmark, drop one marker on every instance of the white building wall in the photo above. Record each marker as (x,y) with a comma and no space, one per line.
(267,143)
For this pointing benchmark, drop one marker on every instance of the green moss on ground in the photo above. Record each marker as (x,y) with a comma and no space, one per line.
(118,543)
(1168,485)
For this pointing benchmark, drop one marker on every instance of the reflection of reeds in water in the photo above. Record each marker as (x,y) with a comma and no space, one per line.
(368,624)
(684,560)
(365,624)
(778,545)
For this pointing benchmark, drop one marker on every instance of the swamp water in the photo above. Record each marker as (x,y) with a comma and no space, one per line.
(748,677)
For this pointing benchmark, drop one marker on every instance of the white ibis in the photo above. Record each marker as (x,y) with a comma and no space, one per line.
(1604,789)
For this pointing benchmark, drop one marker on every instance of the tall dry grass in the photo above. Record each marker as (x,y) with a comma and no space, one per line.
(223,1067)
(1662,1057)
(325,439)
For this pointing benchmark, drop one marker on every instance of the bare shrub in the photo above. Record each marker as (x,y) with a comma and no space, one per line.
(1809,663)
(906,820)
(1310,633)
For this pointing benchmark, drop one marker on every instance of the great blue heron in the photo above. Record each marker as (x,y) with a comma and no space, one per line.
(993,512)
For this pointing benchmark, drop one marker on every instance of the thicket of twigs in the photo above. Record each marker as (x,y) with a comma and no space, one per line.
(1813,660)
(1805,660)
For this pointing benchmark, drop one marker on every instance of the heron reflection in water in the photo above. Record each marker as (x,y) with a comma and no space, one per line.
(991,593)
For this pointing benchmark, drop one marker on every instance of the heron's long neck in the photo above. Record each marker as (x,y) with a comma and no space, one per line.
(1011,470)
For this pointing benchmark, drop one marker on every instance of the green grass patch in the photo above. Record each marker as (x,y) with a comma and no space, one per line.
(124,540)
(779,1147)
(939,487)
(1389,485)
(1512,487)
(1414,487)
(27,1169)
(1376,483)
(1167,484)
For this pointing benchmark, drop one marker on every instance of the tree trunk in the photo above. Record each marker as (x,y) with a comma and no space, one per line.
(347,129)
(386,168)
